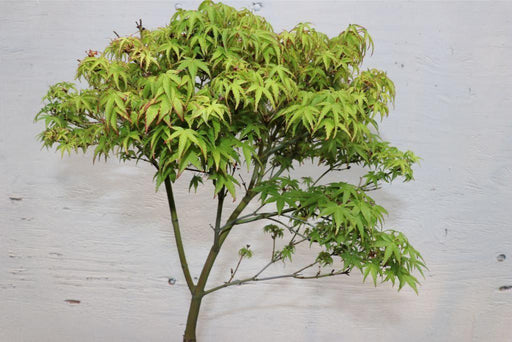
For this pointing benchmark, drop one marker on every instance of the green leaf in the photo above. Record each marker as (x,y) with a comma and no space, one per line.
(387,254)
(193,65)
(151,114)
(248,151)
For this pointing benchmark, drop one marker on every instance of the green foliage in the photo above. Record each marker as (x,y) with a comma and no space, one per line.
(274,231)
(245,252)
(217,90)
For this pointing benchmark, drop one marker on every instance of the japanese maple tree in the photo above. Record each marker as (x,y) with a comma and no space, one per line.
(217,92)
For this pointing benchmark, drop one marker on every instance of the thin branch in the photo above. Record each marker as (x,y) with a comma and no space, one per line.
(139,26)
(269,169)
(299,219)
(306,267)
(321,176)
(255,212)
(273,248)
(370,189)
(218,218)
(330,274)
(243,182)
(332,168)
(291,243)
(278,257)
(272,261)
(255,217)
(177,236)
(295,275)
(196,170)
(278,173)
(236,268)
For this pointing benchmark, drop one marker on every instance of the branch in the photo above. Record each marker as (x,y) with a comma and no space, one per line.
(236,268)
(177,236)
(273,247)
(295,275)
(306,267)
(278,173)
(332,168)
(255,212)
(139,26)
(255,217)
(196,170)
(376,187)
(243,182)
(330,274)
(299,219)
(218,218)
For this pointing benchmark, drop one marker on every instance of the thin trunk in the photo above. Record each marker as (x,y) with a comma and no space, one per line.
(197,296)
(193,314)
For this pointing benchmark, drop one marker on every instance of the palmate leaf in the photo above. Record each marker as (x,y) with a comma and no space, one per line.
(194,182)
(225,181)
(114,106)
(118,73)
(193,65)
(235,88)
(186,137)
(170,46)
(248,152)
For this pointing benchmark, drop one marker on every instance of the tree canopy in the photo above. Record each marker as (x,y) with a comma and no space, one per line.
(217,90)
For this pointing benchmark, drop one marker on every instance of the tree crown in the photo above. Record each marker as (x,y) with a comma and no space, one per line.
(216,90)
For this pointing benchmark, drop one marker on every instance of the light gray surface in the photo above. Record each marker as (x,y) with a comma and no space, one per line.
(100,234)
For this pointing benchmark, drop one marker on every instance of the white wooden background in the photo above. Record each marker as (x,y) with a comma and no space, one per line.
(100,234)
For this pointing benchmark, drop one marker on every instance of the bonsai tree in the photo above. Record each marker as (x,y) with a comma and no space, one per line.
(219,94)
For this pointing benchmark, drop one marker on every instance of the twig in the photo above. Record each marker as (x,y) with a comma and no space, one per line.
(196,170)
(243,182)
(217,229)
(139,26)
(371,189)
(236,268)
(333,168)
(255,217)
(273,248)
(299,219)
(306,267)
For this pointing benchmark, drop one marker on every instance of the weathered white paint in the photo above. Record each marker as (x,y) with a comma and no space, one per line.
(99,234)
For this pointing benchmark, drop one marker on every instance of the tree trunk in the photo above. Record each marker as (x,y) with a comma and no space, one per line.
(193,314)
